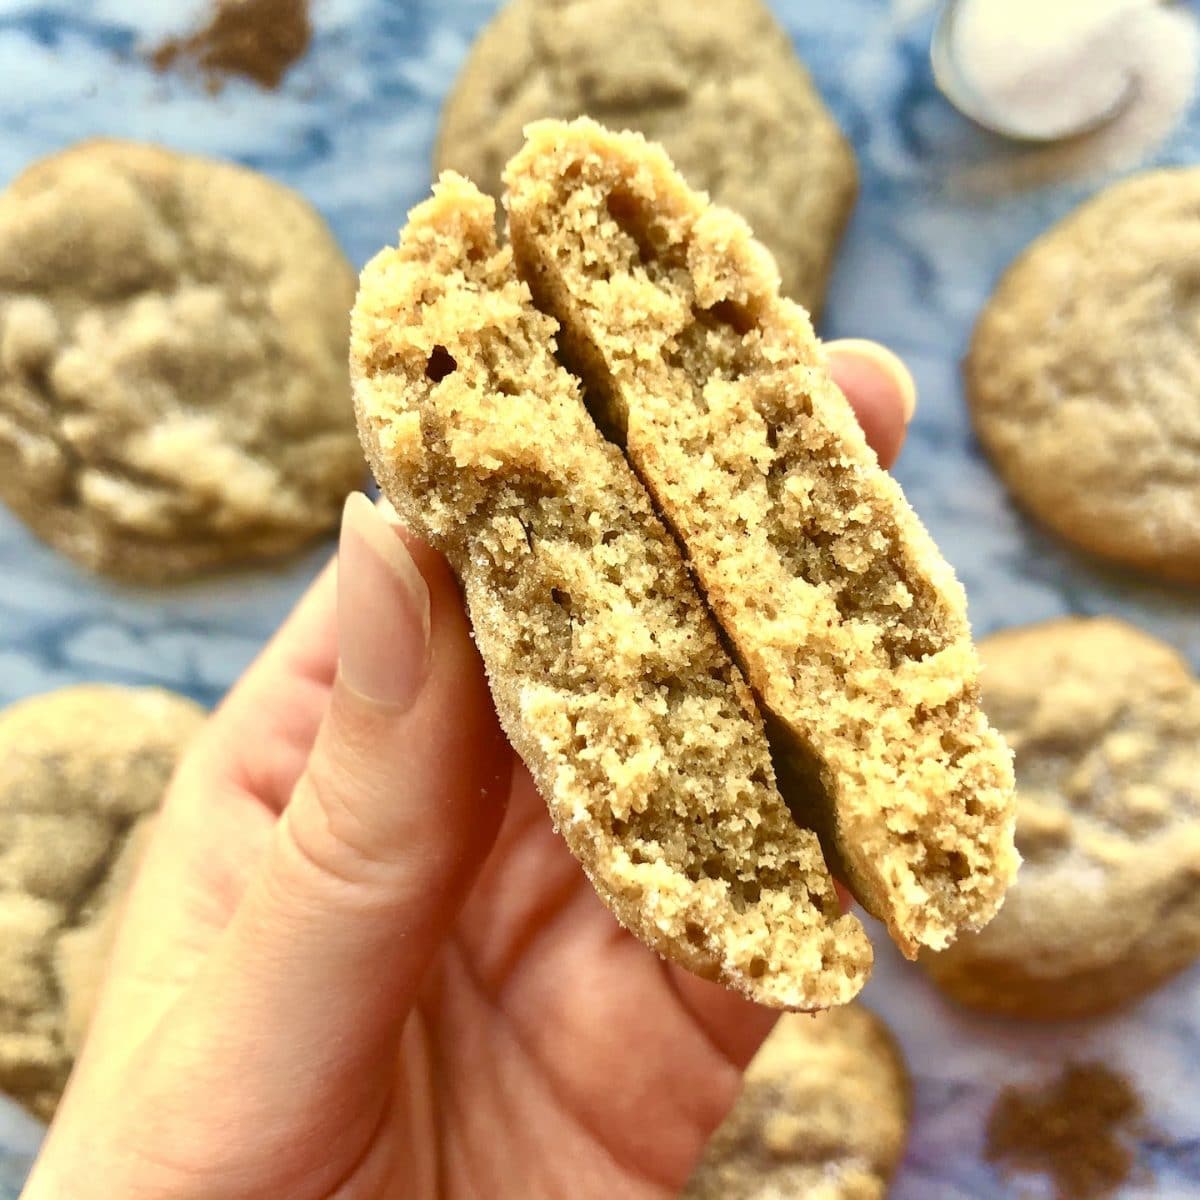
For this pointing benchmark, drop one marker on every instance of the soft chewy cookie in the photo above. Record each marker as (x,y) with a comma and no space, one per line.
(850,626)
(173,391)
(1084,370)
(717,83)
(823,1115)
(81,770)
(609,676)
(1105,722)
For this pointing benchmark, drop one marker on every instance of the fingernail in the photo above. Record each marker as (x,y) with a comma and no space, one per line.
(384,506)
(383,609)
(890,364)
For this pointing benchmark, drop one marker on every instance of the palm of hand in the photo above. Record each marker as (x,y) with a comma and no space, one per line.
(592,1067)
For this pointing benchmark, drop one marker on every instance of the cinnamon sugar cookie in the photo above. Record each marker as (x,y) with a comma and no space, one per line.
(823,1115)
(81,772)
(608,673)
(1105,722)
(173,391)
(1083,375)
(848,623)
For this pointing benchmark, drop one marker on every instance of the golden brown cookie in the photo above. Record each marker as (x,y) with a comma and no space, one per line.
(173,391)
(1105,722)
(718,83)
(608,673)
(1083,374)
(849,625)
(823,1115)
(81,771)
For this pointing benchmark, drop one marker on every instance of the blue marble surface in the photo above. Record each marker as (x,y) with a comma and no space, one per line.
(352,128)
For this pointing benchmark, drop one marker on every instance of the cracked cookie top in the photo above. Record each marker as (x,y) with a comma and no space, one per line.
(609,676)
(1083,375)
(1105,724)
(173,339)
(717,83)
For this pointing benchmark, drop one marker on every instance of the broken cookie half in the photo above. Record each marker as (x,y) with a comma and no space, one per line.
(576,420)
(848,623)
(608,673)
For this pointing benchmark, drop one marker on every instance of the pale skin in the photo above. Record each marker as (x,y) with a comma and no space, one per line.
(359,963)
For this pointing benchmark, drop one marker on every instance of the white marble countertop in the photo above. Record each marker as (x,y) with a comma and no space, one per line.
(352,128)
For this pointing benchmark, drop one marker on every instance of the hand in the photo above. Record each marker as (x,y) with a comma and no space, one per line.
(358,962)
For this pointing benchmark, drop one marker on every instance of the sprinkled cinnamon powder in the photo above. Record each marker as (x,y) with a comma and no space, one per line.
(259,39)
(1076,1130)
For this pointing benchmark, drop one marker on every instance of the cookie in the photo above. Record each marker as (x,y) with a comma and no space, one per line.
(1105,722)
(823,1115)
(1083,371)
(849,625)
(608,674)
(173,333)
(81,772)
(717,83)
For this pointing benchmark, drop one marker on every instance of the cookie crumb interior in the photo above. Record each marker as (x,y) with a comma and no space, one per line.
(609,675)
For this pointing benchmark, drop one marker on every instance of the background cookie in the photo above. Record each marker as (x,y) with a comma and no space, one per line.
(80,771)
(823,1115)
(1105,722)
(1084,370)
(717,83)
(173,337)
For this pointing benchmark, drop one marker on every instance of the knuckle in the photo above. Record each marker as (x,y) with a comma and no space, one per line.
(326,829)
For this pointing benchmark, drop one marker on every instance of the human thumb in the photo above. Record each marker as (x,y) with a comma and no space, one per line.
(389,823)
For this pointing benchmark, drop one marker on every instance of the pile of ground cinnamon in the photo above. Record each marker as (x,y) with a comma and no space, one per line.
(1076,1130)
(259,39)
